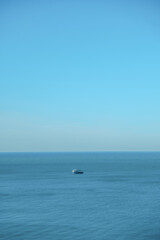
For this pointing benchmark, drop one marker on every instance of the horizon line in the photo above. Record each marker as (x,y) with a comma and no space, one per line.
(109,151)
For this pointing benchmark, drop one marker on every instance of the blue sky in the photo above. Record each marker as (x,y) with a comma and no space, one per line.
(80,75)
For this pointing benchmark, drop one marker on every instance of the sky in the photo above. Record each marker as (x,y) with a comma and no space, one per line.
(79,75)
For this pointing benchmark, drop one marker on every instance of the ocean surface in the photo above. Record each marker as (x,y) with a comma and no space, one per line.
(117,197)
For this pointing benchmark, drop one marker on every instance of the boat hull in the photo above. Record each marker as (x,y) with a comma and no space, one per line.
(76,171)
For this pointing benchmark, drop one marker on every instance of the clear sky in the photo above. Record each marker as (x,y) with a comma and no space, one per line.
(79,75)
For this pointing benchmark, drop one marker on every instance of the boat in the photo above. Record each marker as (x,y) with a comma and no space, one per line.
(77,171)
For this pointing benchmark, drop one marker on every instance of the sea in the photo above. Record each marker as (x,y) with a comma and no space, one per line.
(117,197)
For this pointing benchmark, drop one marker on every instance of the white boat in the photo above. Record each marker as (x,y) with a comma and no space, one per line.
(77,171)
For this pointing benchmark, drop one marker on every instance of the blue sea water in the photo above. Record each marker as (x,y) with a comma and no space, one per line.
(117,197)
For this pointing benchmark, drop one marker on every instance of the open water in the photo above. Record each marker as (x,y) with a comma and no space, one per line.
(117,197)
